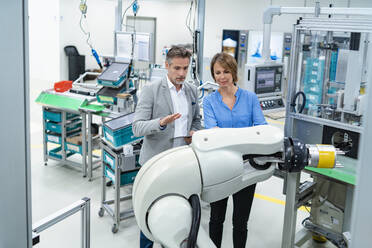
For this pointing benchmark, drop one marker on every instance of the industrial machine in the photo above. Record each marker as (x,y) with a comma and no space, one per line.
(235,42)
(266,80)
(166,205)
(326,94)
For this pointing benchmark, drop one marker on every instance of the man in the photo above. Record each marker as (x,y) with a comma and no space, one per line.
(167,113)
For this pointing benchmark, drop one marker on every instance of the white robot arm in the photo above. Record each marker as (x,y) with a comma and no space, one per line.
(214,166)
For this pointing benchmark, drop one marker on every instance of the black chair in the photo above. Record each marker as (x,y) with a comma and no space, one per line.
(76,62)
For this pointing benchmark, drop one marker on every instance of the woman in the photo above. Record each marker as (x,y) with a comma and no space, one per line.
(231,107)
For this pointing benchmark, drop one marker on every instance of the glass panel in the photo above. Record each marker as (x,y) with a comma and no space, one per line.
(332,75)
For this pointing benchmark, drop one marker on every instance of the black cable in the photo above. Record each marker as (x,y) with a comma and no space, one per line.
(293,103)
(195,223)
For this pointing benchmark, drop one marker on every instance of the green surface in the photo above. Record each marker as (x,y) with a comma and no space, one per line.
(93,107)
(347,173)
(59,101)
(334,173)
(67,103)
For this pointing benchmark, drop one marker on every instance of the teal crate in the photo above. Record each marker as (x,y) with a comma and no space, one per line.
(56,116)
(125,177)
(73,148)
(106,99)
(57,127)
(56,138)
(56,152)
(108,159)
(109,95)
(114,75)
(113,83)
(53,138)
(118,131)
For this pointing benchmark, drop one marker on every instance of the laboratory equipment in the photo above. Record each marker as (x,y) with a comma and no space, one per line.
(326,93)
(134,45)
(235,42)
(265,79)
(115,75)
(161,195)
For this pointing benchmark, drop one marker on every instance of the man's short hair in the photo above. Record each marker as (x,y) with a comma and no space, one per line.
(177,52)
(227,62)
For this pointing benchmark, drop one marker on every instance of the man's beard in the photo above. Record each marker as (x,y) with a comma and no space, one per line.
(180,82)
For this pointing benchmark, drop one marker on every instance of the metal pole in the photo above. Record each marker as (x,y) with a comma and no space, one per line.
(45,143)
(90,146)
(201,21)
(118,160)
(83,228)
(118,11)
(290,213)
(361,227)
(85,224)
(84,143)
(63,136)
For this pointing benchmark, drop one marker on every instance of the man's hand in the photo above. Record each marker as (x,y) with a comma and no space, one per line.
(188,140)
(169,119)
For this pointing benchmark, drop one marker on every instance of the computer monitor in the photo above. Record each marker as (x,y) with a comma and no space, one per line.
(265,81)
(142,49)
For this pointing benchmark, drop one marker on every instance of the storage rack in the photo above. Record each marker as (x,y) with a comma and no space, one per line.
(60,124)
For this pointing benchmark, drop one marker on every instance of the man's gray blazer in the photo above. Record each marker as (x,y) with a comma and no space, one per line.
(154,103)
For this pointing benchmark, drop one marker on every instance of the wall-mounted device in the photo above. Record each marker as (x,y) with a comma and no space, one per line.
(266,81)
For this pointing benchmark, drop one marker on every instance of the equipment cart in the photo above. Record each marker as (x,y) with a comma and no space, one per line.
(120,152)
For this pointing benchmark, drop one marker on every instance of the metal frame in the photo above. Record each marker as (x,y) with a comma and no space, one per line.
(361,227)
(82,205)
(115,212)
(289,239)
(85,166)
(15,169)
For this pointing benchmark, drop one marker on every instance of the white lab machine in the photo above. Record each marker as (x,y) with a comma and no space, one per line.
(266,80)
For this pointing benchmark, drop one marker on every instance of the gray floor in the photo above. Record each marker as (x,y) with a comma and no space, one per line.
(55,186)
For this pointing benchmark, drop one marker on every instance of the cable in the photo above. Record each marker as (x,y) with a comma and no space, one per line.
(83,8)
(122,17)
(293,103)
(195,223)
(188,18)
(83,30)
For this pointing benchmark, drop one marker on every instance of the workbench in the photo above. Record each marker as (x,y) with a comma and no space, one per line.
(344,175)
(79,105)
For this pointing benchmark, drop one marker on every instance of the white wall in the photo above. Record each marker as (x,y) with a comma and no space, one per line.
(44,41)
(50,33)
(100,22)
(170,18)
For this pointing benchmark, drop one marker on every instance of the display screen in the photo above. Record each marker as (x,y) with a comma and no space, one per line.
(265,81)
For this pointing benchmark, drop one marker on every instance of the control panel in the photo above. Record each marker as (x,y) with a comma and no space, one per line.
(271,103)
(287,42)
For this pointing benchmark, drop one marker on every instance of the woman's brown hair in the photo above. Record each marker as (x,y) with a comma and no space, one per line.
(228,62)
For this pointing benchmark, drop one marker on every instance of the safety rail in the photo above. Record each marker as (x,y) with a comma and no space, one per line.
(83,205)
